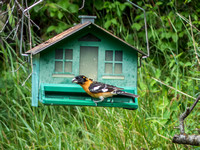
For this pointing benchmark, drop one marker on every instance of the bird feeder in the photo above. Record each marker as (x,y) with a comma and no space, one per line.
(89,50)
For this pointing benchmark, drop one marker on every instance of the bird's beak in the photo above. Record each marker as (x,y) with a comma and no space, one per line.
(74,80)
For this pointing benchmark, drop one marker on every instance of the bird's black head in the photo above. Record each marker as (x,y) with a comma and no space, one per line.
(81,79)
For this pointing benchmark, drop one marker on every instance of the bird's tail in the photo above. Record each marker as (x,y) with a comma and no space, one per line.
(119,92)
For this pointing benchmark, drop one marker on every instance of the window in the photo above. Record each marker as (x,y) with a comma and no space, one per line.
(63,60)
(88,64)
(113,62)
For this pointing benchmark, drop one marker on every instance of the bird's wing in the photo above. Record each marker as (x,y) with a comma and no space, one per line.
(98,87)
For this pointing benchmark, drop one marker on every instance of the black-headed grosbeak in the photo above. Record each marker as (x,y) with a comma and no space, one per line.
(98,89)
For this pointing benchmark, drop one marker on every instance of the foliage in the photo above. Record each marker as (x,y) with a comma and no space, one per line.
(172,60)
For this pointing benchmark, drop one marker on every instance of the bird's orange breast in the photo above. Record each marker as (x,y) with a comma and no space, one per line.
(86,86)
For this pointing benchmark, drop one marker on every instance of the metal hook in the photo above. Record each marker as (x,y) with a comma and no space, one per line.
(83,4)
(145,24)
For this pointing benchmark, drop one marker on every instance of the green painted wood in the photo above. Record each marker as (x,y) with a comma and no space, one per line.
(88,103)
(35,80)
(72,94)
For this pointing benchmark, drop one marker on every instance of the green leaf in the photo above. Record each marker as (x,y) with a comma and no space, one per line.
(168,35)
(51,28)
(181,34)
(172,63)
(107,24)
(152,83)
(159,3)
(158,73)
(188,64)
(73,8)
(174,106)
(52,13)
(63,4)
(60,14)
(114,21)
(52,6)
(175,37)
(148,5)
(122,7)
(136,26)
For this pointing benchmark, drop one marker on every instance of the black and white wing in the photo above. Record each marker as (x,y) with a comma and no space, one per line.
(98,87)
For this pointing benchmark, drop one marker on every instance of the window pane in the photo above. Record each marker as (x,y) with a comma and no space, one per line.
(69,54)
(108,68)
(118,55)
(89,61)
(59,54)
(109,56)
(68,66)
(58,66)
(118,68)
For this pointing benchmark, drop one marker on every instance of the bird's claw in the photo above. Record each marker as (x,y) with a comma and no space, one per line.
(97,101)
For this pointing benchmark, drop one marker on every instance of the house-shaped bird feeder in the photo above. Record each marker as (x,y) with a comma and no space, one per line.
(85,49)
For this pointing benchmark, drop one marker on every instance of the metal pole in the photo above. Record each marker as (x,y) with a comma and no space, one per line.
(145,25)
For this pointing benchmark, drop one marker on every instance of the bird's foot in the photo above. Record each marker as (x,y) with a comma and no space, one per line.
(98,101)
(101,100)
(95,103)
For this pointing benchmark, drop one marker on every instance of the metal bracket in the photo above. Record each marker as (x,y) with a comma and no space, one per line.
(145,24)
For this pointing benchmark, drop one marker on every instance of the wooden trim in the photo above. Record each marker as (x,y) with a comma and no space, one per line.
(113,77)
(35,80)
(63,76)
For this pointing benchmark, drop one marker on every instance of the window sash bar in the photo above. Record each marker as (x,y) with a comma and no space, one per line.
(113,63)
(63,60)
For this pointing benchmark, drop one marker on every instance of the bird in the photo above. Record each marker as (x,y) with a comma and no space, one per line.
(99,90)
